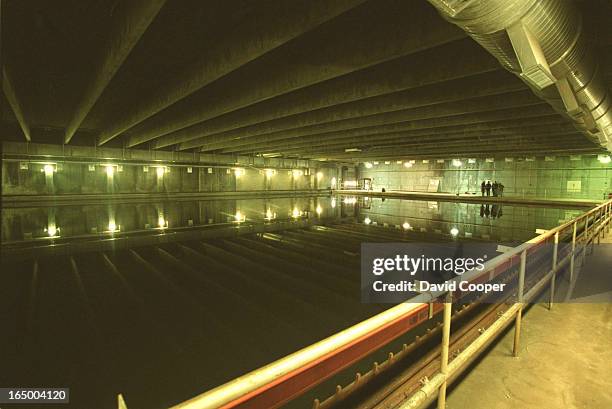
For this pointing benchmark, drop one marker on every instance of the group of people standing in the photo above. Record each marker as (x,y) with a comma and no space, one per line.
(486,187)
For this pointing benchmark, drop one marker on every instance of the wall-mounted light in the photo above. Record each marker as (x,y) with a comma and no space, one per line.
(270,214)
(239,217)
(52,230)
(270,173)
(297,173)
(368,165)
(457,163)
(604,158)
(239,172)
(333,202)
(48,169)
(367,220)
(319,209)
(406,226)
(333,182)
(319,175)
(295,213)
(407,164)
(110,170)
(160,171)
(454,231)
(161,221)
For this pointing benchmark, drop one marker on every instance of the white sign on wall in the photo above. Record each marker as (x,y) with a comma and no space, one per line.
(574,186)
(433,186)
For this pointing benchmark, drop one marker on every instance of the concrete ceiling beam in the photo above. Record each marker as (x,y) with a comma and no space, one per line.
(541,131)
(481,104)
(13,100)
(319,55)
(411,125)
(487,84)
(131,21)
(507,141)
(551,121)
(475,151)
(273,24)
(413,71)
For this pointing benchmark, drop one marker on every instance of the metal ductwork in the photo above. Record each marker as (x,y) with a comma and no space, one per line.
(543,42)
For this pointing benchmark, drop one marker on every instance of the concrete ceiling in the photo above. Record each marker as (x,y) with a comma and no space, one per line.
(336,80)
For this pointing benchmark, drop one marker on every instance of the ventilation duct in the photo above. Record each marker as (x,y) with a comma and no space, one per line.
(542,41)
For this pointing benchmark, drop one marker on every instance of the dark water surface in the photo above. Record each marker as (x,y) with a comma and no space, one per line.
(162,301)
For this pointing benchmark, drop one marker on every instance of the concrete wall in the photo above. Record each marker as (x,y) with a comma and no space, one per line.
(521,177)
(30,178)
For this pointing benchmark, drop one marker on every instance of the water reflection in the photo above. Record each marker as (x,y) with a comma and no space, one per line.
(489,222)
(496,211)
(505,223)
(26,223)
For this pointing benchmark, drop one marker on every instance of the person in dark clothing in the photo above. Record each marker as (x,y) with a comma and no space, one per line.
(500,189)
(488,188)
(494,211)
(483,186)
(495,188)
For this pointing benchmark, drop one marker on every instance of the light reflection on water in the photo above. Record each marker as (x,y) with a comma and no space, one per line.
(488,222)
(25,223)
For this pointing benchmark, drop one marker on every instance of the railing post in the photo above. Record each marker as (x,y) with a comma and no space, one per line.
(604,228)
(519,314)
(610,216)
(573,252)
(121,402)
(444,352)
(601,215)
(554,271)
(586,239)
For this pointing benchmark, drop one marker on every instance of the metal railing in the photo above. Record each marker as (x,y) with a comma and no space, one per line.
(280,381)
